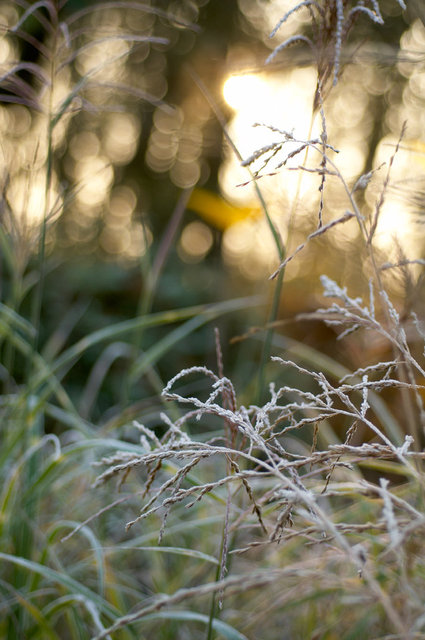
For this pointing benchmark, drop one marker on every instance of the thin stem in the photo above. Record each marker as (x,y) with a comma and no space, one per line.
(39,289)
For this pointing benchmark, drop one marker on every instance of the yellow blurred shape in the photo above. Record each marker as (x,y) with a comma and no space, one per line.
(218,212)
(418,147)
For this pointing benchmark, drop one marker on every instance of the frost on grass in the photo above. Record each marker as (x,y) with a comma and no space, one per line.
(273,475)
(283,490)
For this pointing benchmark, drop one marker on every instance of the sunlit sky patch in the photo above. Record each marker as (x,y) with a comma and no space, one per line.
(283,100)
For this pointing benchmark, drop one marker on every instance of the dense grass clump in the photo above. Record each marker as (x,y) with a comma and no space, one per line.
(133,507)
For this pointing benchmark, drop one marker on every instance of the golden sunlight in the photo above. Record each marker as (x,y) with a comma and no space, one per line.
(26,196)
(95,176)
(238,91)
(266,108)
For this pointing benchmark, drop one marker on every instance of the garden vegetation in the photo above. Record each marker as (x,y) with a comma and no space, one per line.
(291,508)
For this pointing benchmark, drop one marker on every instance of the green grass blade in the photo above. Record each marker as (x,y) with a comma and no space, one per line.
(59,578)
(180,551)
(71,355)
(225,630)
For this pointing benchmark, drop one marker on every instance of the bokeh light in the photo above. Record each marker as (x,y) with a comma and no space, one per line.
(103,132)
(283,100)
(195,242)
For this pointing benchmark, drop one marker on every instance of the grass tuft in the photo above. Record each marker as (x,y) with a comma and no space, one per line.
(131,507)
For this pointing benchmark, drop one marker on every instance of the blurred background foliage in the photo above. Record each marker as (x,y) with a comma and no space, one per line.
(148,213)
